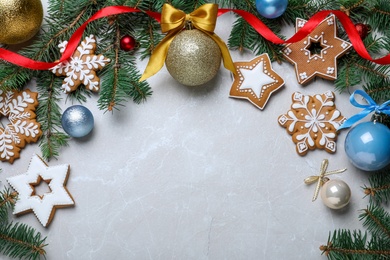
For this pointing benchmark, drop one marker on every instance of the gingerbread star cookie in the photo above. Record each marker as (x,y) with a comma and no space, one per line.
(313,122)
(255,81)
(19,109)
(43,206)
(81,67)
(317,54)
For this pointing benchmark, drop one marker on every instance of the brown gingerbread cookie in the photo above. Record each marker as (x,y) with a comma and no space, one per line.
(317,54)
(255,81)
(81,67)
(19,108)
(312,122)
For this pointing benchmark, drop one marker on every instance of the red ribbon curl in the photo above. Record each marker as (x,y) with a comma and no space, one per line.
(257,24)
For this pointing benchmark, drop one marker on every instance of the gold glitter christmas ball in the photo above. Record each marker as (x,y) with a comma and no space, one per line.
(193,58)
(20,20)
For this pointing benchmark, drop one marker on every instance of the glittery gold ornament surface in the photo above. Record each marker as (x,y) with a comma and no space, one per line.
(193,58)
(20,20)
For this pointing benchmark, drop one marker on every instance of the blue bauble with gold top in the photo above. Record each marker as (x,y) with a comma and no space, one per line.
(271,8)
(368,146)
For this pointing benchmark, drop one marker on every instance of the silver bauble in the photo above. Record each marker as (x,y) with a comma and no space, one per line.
(193,58)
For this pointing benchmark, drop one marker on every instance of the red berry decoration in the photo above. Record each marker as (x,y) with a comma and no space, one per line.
(363,30)
(127,43)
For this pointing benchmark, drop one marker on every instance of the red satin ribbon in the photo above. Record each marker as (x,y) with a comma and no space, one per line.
(309,26)
(74,40)
(257,24)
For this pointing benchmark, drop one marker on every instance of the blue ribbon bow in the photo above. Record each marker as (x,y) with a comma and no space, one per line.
(370,107)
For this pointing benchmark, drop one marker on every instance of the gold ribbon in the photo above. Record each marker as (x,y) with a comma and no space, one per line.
(173,21)
(320,179)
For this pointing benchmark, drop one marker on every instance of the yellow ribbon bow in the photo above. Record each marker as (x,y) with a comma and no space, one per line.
(173,21)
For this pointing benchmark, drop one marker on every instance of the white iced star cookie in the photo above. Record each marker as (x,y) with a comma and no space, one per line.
(43,206)
(255,81)
(81,67)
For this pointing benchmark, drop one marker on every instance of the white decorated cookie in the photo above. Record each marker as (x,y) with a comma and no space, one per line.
(43,206)
(81,67)
(312,122)
(255,81)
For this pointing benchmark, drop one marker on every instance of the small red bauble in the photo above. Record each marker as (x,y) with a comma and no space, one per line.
(127,43)
(363,30)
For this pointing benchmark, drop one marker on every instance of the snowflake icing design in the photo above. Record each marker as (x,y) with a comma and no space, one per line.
(81,67)
(313,122)
(23,128)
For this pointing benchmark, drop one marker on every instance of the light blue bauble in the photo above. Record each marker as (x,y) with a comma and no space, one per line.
(368,146)
(271,8)
(77,121)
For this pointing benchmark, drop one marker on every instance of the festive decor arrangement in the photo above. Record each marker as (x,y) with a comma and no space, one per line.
(18,240)
(312,122)
(368,144)
(317,54)
(80,69)
(255,80)
(271,8)
(20,20)
(43,206)
(19,109)
(315,50)
(77,121)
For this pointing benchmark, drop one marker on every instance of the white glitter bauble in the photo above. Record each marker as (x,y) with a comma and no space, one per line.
(193,58)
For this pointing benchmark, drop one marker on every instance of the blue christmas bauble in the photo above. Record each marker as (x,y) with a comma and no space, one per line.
(271,8)
(368,146)
(77,121)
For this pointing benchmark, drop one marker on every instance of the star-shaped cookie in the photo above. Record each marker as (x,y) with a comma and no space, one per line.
(317,54)
(81,67)
(255,81)
(43,206)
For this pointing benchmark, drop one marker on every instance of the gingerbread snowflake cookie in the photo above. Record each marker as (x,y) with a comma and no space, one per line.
(313,122)
(317,54)
(255,81)
(45,205)
(19,109)
(81,67)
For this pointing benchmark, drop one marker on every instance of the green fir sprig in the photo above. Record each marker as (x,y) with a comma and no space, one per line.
(21,241)
(379,188)
(18,240)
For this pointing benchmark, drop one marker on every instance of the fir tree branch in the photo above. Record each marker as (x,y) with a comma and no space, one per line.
(379,189)
(345,244)
(49,115)
(377,221)
(7,200)
(20,241)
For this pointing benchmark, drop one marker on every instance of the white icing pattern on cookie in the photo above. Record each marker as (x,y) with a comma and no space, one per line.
(43,206)
(81,67)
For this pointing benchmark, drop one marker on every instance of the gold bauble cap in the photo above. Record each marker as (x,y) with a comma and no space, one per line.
(20,20)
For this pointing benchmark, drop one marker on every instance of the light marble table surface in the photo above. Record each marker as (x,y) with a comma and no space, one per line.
(194,174)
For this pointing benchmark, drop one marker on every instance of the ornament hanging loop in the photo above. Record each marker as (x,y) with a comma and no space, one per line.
(189,25)
(377,117)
